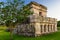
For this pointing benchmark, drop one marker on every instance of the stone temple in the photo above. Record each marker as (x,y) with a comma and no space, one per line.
(38,23)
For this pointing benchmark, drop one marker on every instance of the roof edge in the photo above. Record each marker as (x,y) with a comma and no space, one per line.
(35,3)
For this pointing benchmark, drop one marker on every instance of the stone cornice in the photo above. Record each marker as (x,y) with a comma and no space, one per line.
(39,9)
(37,4)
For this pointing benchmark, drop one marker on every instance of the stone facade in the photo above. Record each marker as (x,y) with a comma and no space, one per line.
(39,23)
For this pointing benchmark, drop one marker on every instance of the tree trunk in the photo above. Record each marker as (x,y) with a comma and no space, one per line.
(11,34)
(17,28)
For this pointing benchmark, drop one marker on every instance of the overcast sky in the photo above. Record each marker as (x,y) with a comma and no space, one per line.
(52,5)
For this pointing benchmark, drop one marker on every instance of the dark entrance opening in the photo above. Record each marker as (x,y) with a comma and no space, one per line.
(40,13)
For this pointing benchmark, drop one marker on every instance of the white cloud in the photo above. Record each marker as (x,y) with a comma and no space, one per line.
(54,10)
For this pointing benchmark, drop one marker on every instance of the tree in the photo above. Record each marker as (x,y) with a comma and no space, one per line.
(1,15)
(58,23)
(14,12)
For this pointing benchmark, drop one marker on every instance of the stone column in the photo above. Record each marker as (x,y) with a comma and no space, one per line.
(37,29)
(46,28)
(49,28)
(52,27)
(56,27)
(55,24)
(42,28)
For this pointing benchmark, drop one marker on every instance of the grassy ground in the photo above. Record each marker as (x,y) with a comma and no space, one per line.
(5,36)
(53,36)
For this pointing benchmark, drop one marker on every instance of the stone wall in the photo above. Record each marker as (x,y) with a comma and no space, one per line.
(37,26)
(25,29)
(35,18)
(43,25)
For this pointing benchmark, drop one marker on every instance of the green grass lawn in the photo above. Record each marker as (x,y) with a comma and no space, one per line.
(3,35)
(54,36)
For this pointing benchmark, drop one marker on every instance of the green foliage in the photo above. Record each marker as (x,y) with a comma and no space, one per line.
(58,23)
(14,11)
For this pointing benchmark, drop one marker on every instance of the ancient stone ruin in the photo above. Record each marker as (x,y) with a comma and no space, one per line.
(38,22)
